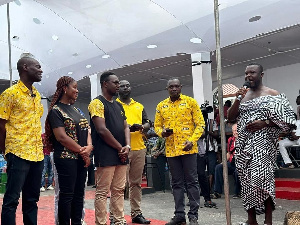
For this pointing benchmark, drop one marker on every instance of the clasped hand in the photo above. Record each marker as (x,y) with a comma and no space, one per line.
(123,153)
(85,152)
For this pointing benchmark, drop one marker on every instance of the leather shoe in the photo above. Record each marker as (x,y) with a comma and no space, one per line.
(140,219)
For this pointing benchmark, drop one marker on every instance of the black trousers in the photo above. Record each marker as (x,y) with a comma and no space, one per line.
(202,161)
(71,178)
(25,176)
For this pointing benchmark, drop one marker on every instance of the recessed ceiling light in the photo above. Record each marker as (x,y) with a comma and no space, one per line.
(50,51)
(17,2)
(88,66)
(105,56)
(75,54)
(254,18)
(196,40)
(39,83)
(152,46)
(181,53)
(54,37)
(15,38)
(36,20)
(70,73)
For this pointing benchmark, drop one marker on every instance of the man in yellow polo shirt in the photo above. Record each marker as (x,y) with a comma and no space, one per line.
(138,121)
(179,119)
(21,141)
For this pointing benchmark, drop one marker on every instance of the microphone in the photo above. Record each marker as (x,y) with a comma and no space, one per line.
(33,95)
(245,85)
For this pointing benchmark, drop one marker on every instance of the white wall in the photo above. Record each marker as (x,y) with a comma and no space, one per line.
(286,80)
(43,119)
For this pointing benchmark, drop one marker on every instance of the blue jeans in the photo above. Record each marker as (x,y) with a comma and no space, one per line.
(47,169)
(22,175)
(184,168)
(219,182)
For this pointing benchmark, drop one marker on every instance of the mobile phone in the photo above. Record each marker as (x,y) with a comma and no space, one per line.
(169,130)
(135,127)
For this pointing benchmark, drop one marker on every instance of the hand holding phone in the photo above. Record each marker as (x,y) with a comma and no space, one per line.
(135,127)
(169,130)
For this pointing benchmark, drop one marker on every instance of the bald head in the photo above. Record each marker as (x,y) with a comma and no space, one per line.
(173,80)
(29,70)
(25,61)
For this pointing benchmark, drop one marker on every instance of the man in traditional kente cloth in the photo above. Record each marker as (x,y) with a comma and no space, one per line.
(262,114)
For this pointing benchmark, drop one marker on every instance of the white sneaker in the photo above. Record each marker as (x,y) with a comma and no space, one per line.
(42,189)
(50,187)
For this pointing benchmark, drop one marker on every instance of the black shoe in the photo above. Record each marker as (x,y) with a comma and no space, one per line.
(215,195)
(193,221)
(140,219)
(177,220)
(235,196)
(210,204)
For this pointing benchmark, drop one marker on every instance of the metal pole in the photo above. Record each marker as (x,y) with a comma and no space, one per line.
(221,112)
(9,46)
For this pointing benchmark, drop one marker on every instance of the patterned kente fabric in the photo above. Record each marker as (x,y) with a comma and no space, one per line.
(256,152)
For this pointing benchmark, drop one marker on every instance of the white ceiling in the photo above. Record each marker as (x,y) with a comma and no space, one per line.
(88,30)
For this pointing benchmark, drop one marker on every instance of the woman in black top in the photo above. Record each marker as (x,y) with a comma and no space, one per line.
(67,132)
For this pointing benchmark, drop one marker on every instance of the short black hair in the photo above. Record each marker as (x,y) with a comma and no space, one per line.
(171,79)
(260,67)
(104,76)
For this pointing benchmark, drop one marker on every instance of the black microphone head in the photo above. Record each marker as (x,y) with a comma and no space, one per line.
(246,84)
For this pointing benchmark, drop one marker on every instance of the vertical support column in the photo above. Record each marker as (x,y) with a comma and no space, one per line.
(202,81)
(95,85)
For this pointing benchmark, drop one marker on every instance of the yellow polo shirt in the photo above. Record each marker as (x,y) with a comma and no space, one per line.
(23,128)
(185,118)
(133,113)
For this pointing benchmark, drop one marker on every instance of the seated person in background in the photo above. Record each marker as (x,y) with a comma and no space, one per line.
(289,140)
(218,187)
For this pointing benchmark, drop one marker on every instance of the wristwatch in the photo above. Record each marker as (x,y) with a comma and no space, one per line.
(128,146)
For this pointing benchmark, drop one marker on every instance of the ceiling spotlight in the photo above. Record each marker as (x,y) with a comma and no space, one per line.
(196,40)
(152,46)
(88,66)
(254,19)
(75,54)
(70,73)
(105,56)
(50,51)
(15,38)
(54,37)
(17,2)
(36,20)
